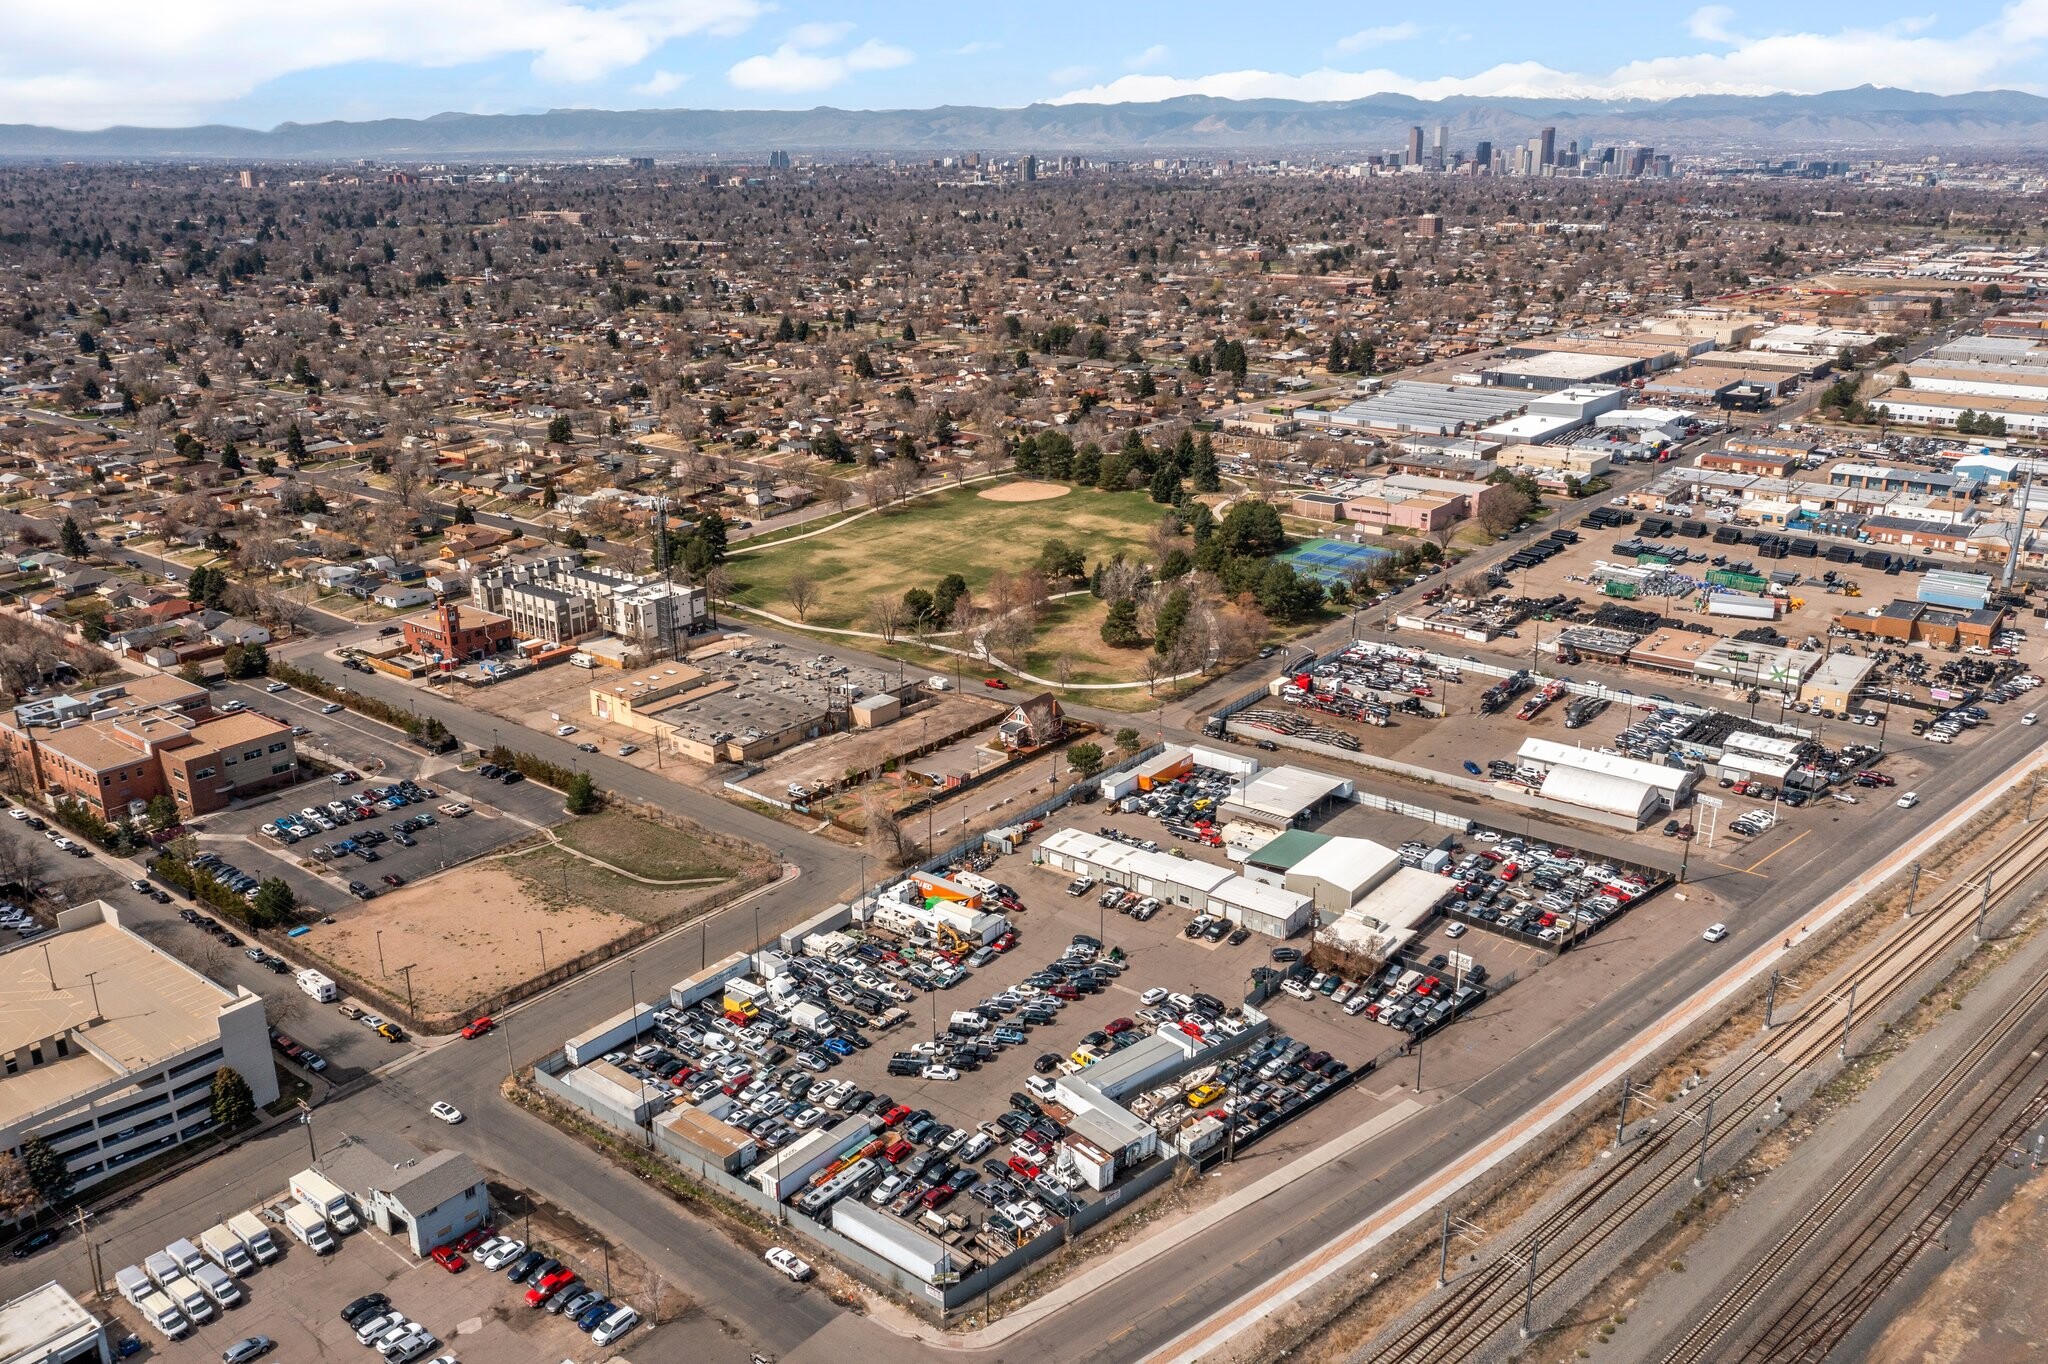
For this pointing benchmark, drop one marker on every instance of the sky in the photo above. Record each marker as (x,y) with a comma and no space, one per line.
(257,63)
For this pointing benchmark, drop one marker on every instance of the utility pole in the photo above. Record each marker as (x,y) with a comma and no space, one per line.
(1770,999)
(306,1121)
(1621,1123)
(1699,1175)
(406,971)
(1983,908)
(1848,1019)
(1529,1292)
(1913,886)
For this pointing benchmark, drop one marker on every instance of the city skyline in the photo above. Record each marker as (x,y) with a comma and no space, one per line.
(229,62)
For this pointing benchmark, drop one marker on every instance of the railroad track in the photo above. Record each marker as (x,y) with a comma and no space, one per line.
(1474,1309)
(1901,1191)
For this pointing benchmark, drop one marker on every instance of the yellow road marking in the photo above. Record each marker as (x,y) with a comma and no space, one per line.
(1751,868)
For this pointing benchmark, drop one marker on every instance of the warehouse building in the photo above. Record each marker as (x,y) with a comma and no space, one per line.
(48,1326)
(1607,782)
(1835,683)
(1284,796)
(1201,886)
(1408,407)
(1553,370)
(425,1200)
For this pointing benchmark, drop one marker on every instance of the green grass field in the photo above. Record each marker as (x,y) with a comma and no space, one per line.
(917,544)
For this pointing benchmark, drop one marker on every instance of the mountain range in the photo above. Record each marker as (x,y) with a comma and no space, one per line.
(1865,119)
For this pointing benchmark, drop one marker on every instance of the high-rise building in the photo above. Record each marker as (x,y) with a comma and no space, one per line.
(1443,145)
(1030,168)
(1482,155)
(1547,154)
(1415,146)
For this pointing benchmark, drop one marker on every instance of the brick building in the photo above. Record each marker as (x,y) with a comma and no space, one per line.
(451,635)
(118,748)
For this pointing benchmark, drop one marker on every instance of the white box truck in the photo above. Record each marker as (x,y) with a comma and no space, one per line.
(217,1284)
(134,1284)
(306,1223)
(186,1254)
(324,1196)
(191,1297)
(319,986)
(162,1268)
(225,1249)
(158,1311)
(255,1237)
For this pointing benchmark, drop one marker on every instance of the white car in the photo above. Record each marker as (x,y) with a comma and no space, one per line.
(1152,996)
(17,813)
(2027,719)
(1909,800)
(330,708)
(788,1263)
(275,687)
(565,730)
(1715,932)
(446,1112)
(510,1250)
(939,1073)
(1454,930)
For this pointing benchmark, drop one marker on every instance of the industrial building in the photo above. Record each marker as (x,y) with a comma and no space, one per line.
(1284,796)
(111,1045)
(1607,782)
(47,1325)
(1551,370)
(1406,406)
(1201,886)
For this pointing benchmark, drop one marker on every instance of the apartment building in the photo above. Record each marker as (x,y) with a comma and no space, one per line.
(560,600)
(109,1046)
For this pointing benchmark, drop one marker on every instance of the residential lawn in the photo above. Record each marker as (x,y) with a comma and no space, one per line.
(643,848)
(917,544)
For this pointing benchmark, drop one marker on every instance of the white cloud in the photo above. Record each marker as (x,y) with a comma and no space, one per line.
(1156,55)
(818,35)
(1709,23)
(976,48)
(659,84)
(142,61)
(2003,53)
(1378,36)
(796,67)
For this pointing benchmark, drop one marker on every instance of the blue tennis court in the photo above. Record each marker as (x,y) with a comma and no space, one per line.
(1332,561)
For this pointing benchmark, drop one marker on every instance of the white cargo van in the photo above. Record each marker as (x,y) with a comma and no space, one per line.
(191,1298)
(160,1313)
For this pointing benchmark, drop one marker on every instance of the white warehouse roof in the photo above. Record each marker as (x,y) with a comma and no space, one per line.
(1283,793)
(1404,900)
(1598,790)
(1353,865)
(1122,858)
(1241,892)
(1670,781)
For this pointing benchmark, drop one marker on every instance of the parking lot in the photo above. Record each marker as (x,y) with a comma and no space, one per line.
(474,1315)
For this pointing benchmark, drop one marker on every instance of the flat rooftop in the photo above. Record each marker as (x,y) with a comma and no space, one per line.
(43,1322)
(151,1006)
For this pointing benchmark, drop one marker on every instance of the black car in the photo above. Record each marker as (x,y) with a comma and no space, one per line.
(524,1266)
(513,778)
(1286,954)
(363,1308)
(35,1242)
(1048,1063)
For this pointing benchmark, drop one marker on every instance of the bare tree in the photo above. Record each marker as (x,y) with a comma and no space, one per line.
(801,593)
(885,612)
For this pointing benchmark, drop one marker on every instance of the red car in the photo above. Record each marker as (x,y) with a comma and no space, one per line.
(1023,1167)
(939,1197)
(996,684)
(477,1027)
(548,1287)
(446,1257)
(1117,1025)
(896,1150)
(470,1240)
(895,1115)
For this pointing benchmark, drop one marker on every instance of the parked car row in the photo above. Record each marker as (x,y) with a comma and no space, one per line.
(388,1331)
(363,805)
(555,1288)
